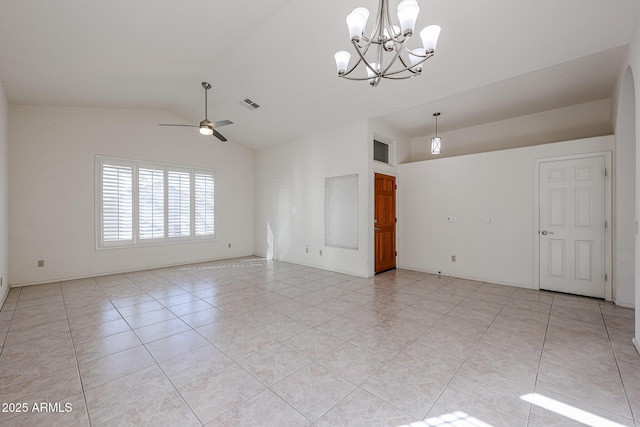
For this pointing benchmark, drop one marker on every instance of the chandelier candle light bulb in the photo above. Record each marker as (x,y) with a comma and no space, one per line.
(384,53)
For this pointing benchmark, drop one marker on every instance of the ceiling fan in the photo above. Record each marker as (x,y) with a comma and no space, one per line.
(207,127)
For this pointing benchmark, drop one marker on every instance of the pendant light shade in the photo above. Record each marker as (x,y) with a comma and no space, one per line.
(429,36)
(356,21)
(407,14)
(342,61)
(435,145)
(436,142)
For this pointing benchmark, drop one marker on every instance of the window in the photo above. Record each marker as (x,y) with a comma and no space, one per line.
(380,151)
(141,204)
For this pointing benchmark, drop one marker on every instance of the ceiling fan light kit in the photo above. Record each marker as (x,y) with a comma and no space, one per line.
(207,127)
(384,54)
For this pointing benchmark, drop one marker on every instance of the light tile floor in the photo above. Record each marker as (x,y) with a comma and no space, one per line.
(248,342)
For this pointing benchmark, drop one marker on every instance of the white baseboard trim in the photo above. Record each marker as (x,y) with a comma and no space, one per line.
(108,273)
(636,344)
(474,278)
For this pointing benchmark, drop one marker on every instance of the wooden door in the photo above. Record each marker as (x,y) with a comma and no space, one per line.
(385,223)
(572,226)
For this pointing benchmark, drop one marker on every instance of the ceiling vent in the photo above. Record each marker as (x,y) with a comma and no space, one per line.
(249,104)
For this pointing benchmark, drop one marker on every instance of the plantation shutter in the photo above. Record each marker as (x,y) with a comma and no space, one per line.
(150,203)
(117,203)
(179,204)
(204,204)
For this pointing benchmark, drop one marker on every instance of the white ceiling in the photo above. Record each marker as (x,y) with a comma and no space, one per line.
(496,59)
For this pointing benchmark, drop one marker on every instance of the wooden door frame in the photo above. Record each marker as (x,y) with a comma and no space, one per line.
(608,190)
(372,197)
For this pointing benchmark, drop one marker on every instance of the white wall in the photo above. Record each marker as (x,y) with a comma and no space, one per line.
(470,188)
(4,196)
(563,124)
(290,202)
(634,63)
(625,192)
(52,181)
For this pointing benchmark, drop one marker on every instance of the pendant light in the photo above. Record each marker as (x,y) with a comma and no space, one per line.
(436,141)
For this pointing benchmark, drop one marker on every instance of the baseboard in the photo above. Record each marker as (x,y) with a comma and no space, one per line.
(5,294)
(65,279)
(624,304)
(321,267)
(636,344)
(476,279)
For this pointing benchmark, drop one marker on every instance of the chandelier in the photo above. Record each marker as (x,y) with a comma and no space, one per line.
(384,54)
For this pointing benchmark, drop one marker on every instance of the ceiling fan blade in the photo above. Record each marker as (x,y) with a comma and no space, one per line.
(222,123)
(189,126)
(219,136)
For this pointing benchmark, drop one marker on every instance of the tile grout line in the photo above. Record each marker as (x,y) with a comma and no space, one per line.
(75,354)
(615,357)
(544,341)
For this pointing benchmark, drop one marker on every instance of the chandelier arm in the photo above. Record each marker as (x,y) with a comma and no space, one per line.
(380,24)
(363,59)
(357,78)
(410,67)
(398,52)
(352,68)
(389,23)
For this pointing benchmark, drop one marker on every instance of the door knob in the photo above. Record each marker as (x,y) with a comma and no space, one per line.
(544,233)
(376,229)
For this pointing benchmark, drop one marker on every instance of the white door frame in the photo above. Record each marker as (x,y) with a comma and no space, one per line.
(608,291)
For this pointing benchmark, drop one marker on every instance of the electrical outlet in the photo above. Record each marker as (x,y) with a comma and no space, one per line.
(320,252)
(40,263)
(453,258)
(306,250)
(229,244)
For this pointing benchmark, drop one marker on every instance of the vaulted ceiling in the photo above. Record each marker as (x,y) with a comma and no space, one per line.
(495,59)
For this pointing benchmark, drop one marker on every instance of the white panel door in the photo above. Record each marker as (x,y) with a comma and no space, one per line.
(572,226)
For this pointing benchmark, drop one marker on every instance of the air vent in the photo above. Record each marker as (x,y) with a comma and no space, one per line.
(249,104)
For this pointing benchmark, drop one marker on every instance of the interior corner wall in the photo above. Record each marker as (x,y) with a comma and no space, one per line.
(4,196)
(624,223)
(290,198)
(52,189)
(498,184)
(634,63)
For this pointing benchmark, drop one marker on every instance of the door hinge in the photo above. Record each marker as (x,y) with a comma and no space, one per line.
(605,172)
(396,187)
(606,277)
(396,220)
(606,225)
(396,253)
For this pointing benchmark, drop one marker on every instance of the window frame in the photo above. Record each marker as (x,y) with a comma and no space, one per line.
(136,240)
